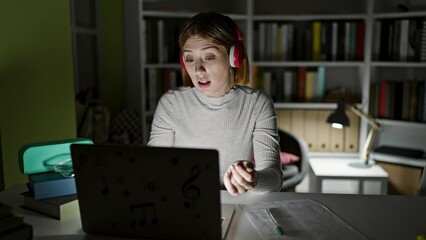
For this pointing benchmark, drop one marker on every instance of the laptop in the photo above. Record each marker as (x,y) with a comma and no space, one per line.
(150,192)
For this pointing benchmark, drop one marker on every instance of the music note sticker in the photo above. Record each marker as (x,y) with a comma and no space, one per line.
(189,189)
(143,214)
(150,186)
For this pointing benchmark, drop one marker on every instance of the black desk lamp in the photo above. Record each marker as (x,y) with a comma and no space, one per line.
(339,119)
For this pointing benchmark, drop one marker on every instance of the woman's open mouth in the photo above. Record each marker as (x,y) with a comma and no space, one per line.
(203,83)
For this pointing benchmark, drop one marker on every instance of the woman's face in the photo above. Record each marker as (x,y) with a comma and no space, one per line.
(208,66)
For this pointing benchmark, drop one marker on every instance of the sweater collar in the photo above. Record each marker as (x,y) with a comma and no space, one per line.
(216,101)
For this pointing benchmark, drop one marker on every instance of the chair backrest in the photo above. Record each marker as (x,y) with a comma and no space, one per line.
(290,143)
(422,187)
(293,144)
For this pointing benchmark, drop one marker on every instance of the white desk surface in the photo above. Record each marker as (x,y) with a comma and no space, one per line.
(376,216)
(339,167)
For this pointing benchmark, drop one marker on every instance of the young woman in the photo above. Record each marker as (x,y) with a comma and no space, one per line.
(216,111)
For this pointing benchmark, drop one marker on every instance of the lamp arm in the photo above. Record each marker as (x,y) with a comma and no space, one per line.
(365,116)
(368,144)
(371,135)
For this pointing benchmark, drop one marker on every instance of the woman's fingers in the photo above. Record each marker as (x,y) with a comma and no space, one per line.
(240,189)
(247,173)
(242,177)
(249,165)
(227,180)
(246,170)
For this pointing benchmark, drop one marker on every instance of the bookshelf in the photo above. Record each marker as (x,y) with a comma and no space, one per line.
(397,90)
(345,61)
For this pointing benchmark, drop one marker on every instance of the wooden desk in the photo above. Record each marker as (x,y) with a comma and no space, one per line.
(404,172)
(376,216)
(338,168)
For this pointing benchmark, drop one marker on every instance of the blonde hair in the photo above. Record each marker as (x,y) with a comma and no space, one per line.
(220,30)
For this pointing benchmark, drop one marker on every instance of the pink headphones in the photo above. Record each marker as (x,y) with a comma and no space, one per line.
(236,52)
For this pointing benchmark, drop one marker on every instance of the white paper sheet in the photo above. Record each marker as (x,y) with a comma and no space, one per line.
(300,219)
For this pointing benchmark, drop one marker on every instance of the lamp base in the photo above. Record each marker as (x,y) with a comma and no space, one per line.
(360,165)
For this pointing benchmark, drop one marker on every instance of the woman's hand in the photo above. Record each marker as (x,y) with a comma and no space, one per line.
(240,177)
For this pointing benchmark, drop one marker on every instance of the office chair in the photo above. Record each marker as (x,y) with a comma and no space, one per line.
(296,171)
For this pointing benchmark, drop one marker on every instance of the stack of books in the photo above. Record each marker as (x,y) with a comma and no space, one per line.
(60,208)
(12,227)
(51,194)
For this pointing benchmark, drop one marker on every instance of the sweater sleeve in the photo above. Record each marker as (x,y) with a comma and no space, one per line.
(162,133)
(266,147)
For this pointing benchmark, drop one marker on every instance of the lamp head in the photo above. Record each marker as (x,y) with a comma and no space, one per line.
(339,119)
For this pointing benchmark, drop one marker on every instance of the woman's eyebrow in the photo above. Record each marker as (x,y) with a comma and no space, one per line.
(203,49)
(208,47)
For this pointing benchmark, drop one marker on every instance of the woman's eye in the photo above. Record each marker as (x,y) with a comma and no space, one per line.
(210,58)
(189,60)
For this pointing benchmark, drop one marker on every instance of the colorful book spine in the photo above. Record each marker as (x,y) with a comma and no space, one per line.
(311,79)
(347,41)
(360,39)
(406,100)
(301,83)
(334,40)
(51,184)
(377,40)
(403,40)
(352,40)
(382,99)
(316,41)
(320,86)
(288,86)
(374,99)
(413,101)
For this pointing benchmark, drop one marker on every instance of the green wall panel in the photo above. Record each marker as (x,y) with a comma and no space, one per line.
(36,74)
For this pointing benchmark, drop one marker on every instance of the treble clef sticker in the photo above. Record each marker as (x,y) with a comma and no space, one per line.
(189,190)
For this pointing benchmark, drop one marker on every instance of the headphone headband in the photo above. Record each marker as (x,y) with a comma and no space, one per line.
(239,35)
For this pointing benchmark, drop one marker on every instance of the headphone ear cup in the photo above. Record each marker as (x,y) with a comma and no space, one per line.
(182,62)
(236,56)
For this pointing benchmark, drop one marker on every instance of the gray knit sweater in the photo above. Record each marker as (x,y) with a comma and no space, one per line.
(241,125)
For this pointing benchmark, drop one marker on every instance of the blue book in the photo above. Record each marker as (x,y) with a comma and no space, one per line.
(320,86)
(51,184)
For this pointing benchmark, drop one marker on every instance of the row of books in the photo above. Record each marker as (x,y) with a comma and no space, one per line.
(310,40)
(159,81)
(161,38)
(311,126)
(301,84)
(400,40)
(273,41)
(399,100)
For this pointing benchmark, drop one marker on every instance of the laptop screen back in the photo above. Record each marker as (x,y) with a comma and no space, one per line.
(149,192)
